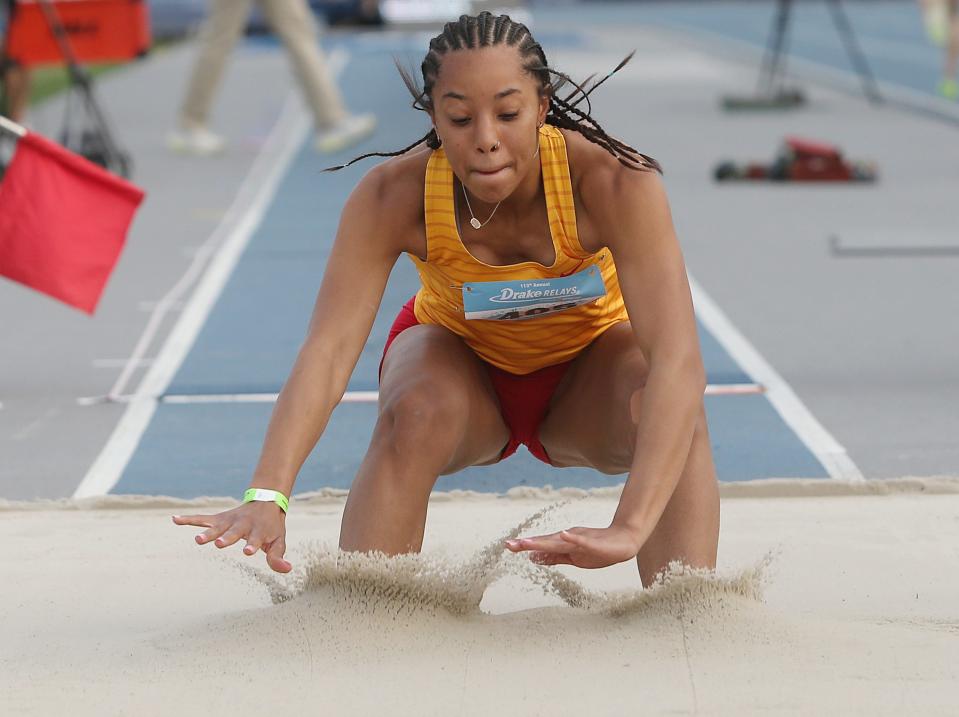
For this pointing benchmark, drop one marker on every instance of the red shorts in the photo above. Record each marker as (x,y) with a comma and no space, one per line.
(523,400)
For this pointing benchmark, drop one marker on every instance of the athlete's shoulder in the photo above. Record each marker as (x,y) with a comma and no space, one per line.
(396,184)
(603,186)
(392,193)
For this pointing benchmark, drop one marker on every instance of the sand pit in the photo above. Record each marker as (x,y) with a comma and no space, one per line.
(821,605)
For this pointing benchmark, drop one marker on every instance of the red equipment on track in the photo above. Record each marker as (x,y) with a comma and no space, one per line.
(71,32)
(97,30)
(801,160)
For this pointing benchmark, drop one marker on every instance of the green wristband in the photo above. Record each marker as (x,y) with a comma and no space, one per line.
(272,496)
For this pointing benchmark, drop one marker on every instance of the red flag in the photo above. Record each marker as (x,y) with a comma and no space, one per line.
(63,222)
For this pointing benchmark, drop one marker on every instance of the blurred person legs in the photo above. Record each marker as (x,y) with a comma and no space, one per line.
(220,33)
(14,78)
(16,90)
(293,23)
(949,85)
(935,18)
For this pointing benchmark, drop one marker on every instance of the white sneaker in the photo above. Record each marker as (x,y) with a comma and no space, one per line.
(346,133)
(198,141)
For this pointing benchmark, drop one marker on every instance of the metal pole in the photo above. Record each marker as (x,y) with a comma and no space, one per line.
(12,127)
(81,79)
(773,62)
(844,27)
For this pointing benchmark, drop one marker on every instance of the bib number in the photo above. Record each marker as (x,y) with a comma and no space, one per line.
(529,298)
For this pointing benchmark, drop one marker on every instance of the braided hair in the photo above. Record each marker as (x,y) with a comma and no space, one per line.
(487,30)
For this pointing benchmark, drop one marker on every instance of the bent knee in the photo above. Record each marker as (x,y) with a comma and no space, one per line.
(423,414)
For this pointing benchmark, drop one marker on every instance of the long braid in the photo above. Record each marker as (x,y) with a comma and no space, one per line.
(487,30)
(560,111)
(431,140)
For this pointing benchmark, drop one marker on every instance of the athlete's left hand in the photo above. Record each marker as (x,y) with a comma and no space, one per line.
(582,547)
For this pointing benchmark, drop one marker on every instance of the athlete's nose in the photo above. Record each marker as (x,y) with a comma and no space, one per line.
(486,137)
(487,147)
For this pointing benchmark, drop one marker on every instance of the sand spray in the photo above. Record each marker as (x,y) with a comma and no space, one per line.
(416,582)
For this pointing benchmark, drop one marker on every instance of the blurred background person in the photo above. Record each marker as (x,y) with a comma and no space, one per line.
(941,19)
(949,85)
(294,24)
(15,92)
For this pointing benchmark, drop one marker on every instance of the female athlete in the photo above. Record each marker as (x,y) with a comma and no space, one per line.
(554,312)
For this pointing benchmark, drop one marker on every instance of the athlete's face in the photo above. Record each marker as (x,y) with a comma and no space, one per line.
(487,110)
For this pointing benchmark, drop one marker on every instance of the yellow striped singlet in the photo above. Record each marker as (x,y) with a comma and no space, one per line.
(519,347)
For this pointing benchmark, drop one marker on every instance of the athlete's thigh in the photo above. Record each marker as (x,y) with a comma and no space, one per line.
(431,363)
(592,416)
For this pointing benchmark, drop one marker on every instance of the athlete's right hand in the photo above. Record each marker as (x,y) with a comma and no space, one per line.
(261,524)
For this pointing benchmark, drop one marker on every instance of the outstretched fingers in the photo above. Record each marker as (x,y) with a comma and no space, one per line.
(578,540)
(200,521)
(259,525)
(254,542)
(274,556)
(545,543)
(233,534)
(223,532)
(212,532)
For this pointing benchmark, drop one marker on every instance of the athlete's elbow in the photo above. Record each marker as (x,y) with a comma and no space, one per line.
(685,371)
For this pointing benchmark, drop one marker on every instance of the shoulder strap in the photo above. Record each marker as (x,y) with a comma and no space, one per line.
(559,191)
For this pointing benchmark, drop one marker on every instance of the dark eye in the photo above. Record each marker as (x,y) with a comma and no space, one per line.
(509,116)
(460,120)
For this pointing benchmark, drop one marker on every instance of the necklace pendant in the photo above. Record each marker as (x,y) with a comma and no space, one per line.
(475,223)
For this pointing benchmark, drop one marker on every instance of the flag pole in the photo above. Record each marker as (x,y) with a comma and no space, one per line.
(12,127)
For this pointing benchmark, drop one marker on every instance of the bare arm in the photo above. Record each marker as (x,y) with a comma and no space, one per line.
(652,275)
(363,256)
(630,211)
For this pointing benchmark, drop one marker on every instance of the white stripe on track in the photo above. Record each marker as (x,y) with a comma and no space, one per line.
(238,226)
(811,432)
(723,389)
(348,397)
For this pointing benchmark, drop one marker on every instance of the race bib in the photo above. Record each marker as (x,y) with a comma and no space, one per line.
(529,298)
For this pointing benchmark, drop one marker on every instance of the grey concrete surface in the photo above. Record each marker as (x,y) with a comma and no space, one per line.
(47,350)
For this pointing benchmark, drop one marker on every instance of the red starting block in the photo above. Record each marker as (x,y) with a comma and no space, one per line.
(97,30)
(801,160)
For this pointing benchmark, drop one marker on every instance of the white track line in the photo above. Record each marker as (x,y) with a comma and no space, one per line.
(348,397)
(228,242)
(120,363)
(811,432)
(723,389)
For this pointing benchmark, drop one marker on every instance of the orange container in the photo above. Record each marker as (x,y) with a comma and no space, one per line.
(98,31)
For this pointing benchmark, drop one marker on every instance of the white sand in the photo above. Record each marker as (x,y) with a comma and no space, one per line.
(116,611)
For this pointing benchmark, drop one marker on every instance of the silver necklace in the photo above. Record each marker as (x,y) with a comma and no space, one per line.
(474,222)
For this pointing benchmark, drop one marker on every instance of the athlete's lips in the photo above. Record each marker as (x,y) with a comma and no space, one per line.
(490,172)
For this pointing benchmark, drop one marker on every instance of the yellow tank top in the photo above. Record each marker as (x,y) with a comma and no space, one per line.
(519,347)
